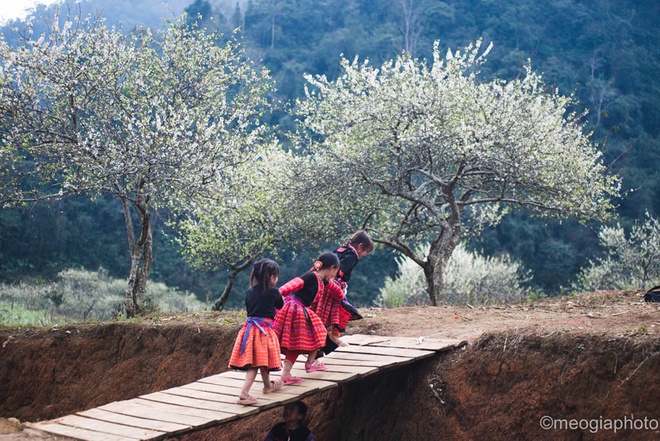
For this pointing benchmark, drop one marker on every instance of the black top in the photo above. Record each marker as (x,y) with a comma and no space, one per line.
(347,261)
(310,287)
(259,304)
(279,432)
(304,288)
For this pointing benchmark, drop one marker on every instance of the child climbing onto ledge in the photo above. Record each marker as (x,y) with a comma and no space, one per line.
(298,328)
(334,313)
(292,428)
(256,347)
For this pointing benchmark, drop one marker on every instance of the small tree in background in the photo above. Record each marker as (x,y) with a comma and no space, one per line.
(78,295)
(263,209)
(427,151)
(632,261)
(149,120)
(469,278)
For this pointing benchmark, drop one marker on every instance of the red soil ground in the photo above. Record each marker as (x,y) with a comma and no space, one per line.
(591,359)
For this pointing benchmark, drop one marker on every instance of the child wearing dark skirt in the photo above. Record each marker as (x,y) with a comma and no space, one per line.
(336,313)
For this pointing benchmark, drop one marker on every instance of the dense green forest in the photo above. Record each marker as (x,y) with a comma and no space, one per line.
(603,52)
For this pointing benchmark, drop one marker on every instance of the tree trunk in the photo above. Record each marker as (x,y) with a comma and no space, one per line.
(440,252)
(431,286)
(235,269)
(141,256)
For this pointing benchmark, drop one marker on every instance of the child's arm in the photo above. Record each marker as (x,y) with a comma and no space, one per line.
(335,291)
(292,286)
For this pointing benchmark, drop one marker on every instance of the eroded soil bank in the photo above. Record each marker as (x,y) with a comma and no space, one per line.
(505,385)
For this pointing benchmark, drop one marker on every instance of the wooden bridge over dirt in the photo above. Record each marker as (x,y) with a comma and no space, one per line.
(211,401)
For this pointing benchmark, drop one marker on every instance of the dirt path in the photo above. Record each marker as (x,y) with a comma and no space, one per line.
(608,312)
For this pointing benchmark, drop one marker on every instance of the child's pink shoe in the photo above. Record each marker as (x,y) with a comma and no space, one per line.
(290,379)
(313,367)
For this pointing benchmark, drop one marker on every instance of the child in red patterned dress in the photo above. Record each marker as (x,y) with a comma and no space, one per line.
(334,313)
(298,328)
(257,347)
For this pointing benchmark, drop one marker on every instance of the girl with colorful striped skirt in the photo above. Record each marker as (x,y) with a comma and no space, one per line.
(299,329)
(257,347)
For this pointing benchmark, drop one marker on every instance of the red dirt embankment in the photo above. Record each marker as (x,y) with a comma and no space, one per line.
(582,366)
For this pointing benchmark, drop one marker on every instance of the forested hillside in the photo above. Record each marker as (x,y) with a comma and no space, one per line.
(605,53)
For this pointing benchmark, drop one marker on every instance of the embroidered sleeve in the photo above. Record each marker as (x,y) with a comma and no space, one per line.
(335,290)
(291,286)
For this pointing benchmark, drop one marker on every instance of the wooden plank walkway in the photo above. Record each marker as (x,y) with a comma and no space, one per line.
(211,401)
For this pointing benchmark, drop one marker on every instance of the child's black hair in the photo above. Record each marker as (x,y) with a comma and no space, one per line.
(302,408)
(262,271)
(327,260)
(360,237)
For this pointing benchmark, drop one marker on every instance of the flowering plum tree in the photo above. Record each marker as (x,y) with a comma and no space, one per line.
(263,210)
(150,119)
(428,150)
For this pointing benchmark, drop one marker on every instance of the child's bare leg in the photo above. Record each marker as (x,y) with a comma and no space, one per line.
(335,336)
(269,385)
(312,364)
(311,357)
(265,377)
(250,376)
(287,378)
(288,363)
(286,368)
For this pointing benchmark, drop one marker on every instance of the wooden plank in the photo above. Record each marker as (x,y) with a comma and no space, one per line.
(389,362)
(379,350)
(433,344)
(204,394)
(321,385)
(379,360)
(225,380)
(74,432)
(234,392)
(332,367)
(212,400)
(228,402)
(240,375)
(221,399)
(236,410)
(215,388)
(310,385)
(339,377)
(340,369)
(215,379)
(223,412)
(362,339)
(147,409)
(273,376)
(350,367)
(111,417)
(286,394)
(111,428)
